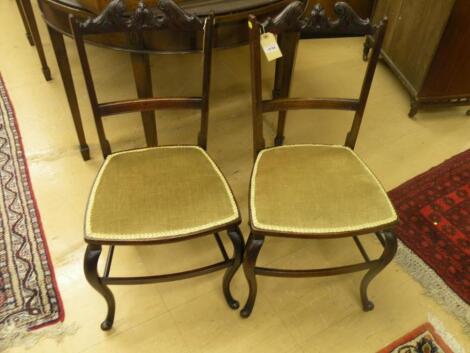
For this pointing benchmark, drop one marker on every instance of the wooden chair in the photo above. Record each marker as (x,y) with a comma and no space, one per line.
(314,191)
(155,195)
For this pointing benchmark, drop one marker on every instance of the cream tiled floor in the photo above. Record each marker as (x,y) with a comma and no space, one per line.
(291,315)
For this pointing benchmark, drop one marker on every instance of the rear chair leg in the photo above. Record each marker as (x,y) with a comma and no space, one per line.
(253,247)
(390,249)
(281,125)
(366,49)
(238,246)
(92,255)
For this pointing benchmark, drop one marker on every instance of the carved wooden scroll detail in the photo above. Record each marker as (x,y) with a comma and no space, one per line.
(178,18)
(113,16)
(348,22)
(288,20)
(317,24)
(116,18)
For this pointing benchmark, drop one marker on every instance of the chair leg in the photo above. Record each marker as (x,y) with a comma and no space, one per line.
(253,247)
(413,107)
(390,249)
(92,255)
(143,82)
(281,125)
(366,49)
(60,51)
(220,244)
(284,69)
(238,246)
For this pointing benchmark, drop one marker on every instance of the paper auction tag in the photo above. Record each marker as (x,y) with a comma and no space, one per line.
(270,47)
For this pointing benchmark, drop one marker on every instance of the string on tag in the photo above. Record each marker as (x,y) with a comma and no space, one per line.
(263,29)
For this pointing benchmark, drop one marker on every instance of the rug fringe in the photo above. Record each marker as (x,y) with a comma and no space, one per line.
(433,285)
(12,336)
(446,336)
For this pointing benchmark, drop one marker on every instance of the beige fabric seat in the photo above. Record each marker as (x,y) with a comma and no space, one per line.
(316,189)
(157,193)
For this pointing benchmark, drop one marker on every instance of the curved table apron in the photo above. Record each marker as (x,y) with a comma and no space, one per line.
(231,31)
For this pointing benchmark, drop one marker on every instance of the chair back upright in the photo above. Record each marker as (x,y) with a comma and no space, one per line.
(166,16)
(294,24)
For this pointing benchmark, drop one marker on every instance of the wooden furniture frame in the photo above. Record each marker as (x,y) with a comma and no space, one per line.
(426,47)
(230,31)
(170,17)
(293,24)
(32,33)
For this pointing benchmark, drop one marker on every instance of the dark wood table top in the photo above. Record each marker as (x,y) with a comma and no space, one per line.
(198,7)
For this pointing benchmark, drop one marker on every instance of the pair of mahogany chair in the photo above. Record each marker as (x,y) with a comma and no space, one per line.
(146,196)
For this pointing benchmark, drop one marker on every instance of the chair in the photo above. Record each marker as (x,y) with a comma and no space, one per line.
(155,195)
(314,191)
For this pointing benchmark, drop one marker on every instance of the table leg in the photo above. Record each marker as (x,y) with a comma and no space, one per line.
(143,82)
(284,68)
(60,51)
(33,27)
(25,22)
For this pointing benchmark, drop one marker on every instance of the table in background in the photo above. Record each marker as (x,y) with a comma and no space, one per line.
(231,31)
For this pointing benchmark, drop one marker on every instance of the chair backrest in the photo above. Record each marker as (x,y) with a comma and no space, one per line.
(293,22)
(115,18)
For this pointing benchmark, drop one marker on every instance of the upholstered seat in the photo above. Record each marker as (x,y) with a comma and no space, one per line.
(157,193)
(316,189)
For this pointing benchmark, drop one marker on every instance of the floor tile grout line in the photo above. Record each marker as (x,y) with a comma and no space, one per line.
(180,332)
(115,334)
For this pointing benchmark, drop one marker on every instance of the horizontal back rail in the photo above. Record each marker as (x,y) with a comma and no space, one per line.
(149,104)
(282,104)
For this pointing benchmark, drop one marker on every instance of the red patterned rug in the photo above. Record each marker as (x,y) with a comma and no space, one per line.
(423,339)
(29,297)
(434,228)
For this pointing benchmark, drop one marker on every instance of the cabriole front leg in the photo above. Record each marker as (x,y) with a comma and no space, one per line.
(92,255)
(390,249)
(253,247)
(238,247)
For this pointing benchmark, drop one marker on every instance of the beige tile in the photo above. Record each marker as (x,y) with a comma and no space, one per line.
(177,257)
(208,325)
(158,334)
(87,309)
(308,305)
